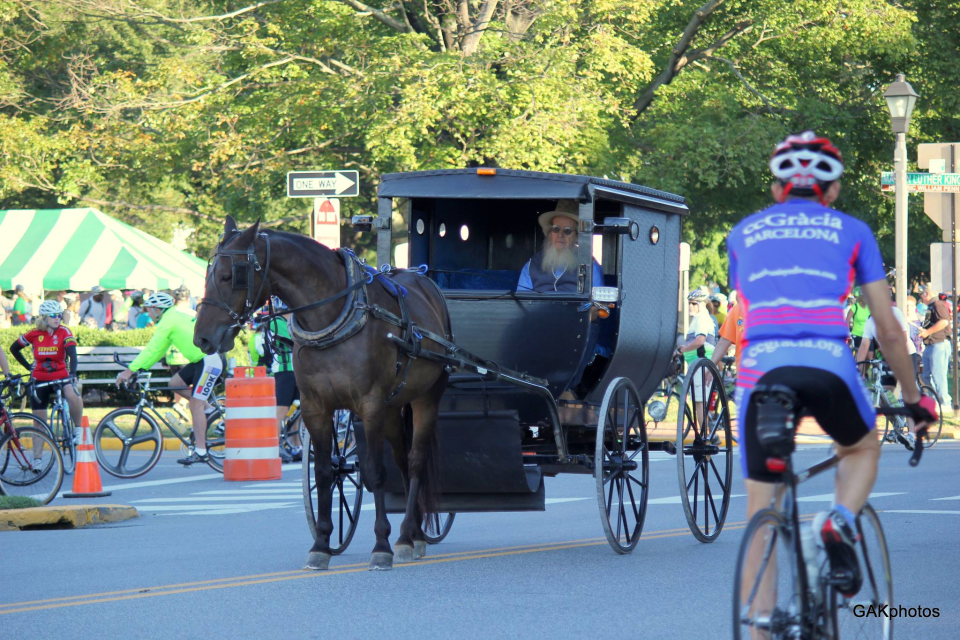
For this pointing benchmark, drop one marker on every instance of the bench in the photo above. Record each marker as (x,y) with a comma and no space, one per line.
(100,359)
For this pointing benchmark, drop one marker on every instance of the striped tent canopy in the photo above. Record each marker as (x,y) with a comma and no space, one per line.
(75,249)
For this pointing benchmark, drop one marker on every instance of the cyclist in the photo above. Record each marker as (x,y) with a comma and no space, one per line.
(731,333)
(275,347)
(4,365)
(700,340)
(793,265)
(52,345)
(175,327)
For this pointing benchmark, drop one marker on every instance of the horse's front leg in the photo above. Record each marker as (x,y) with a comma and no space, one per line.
(320,425)
(376,471)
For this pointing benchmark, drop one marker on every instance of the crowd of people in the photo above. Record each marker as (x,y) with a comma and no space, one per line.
(97,308)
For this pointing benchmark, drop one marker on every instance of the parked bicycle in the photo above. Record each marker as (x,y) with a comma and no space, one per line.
(61,426)
(783,586)
(895,429)
(129,441)
(30,460)
(669,391)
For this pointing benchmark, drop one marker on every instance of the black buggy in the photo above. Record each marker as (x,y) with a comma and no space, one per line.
(508,417)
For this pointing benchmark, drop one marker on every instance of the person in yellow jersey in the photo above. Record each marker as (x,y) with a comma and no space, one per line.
(174,327)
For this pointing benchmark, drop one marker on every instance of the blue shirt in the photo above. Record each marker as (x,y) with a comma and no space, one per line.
(526,284)
(793,266)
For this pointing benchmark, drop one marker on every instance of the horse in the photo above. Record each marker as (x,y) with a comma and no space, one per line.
(343,359)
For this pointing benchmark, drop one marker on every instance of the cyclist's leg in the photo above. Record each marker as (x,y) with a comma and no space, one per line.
(38,405)
(75,402)
(857,472)
(197,408)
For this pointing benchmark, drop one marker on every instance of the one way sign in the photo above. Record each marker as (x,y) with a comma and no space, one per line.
(313,184)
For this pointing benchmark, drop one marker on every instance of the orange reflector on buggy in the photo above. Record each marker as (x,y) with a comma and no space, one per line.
(486,171)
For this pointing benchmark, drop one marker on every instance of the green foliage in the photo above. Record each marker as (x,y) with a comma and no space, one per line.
(19,502)
(165,112)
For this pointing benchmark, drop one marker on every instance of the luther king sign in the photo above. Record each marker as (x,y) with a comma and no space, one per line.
(318,184)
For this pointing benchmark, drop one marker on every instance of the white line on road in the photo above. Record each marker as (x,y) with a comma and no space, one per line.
(676,499)
(152,501)
(160,483)
(828,497)
(950,498)
(249,506)
(921,511)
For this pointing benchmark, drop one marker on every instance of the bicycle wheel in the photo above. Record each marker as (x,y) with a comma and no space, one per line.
(216,443)
(436,526)
(128,443)
(877,588)
(63,435)
(12,421)
(32,464)
(893,425)
(346,488)
(291,432)
(933,431)
(766,586)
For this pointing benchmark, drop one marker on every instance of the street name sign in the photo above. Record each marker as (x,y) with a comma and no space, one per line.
(923,182)
(316,184)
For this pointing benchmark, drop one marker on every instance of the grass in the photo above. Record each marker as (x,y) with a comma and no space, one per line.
(18,502)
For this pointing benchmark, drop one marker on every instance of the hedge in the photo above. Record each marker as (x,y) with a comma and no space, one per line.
(88,337)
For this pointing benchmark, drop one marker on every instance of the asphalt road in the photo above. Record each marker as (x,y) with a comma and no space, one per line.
(210,559)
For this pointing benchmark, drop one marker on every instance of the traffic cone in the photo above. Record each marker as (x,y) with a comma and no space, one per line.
(86,477)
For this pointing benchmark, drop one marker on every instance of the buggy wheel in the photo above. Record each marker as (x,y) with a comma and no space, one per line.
(621,465)
(705,464)
(436,526)
(346,488)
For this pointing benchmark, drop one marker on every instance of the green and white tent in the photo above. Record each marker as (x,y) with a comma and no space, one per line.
(75,249)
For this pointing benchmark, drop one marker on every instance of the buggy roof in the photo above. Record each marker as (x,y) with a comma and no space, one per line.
(509,184)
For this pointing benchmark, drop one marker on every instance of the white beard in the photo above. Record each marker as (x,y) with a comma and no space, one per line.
(555,259)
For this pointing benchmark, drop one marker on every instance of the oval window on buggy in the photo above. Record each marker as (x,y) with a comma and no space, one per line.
(420,226)
(443,230)
(464,233)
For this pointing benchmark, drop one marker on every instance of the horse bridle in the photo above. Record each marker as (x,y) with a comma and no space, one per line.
(242,277)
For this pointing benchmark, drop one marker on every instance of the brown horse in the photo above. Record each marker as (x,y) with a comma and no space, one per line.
(359,373)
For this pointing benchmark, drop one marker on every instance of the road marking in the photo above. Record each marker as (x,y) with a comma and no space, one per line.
(950,498)
(160,483)
(921,511)
(676,499)
(282,576)
(828,497)
(211,499)
(258,492)
(253,506)
(271,485)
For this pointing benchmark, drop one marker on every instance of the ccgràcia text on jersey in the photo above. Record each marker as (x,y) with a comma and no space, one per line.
(799,226)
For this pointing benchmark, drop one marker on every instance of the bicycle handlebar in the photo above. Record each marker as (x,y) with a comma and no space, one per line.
(920,435)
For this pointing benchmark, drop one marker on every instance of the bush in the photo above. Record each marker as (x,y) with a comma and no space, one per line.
(18,502)
(88,337)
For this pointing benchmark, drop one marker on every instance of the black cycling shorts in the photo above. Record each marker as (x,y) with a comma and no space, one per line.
(190,374)
(286,386)
(41,398)
(824,395)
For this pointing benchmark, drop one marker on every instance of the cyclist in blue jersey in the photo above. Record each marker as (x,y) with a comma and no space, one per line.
(793,266)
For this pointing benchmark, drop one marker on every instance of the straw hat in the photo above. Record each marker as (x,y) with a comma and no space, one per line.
(566,208)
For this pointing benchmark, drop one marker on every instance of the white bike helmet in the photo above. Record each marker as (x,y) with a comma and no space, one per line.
(50,308)
(806,164)
(159,300)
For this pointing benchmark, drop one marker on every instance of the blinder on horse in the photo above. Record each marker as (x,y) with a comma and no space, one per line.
(243,265)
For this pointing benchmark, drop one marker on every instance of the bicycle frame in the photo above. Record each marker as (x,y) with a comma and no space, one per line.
(145,403)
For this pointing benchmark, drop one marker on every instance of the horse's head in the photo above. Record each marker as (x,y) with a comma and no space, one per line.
(235,287)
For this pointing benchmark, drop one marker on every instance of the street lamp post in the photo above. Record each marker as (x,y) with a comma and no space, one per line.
(901,98)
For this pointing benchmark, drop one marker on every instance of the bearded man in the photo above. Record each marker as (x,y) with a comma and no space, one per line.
(554,268)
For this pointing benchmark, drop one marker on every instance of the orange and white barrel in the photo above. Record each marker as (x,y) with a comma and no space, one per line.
(252,446)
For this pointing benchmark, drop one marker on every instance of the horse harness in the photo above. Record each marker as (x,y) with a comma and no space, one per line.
(352,318)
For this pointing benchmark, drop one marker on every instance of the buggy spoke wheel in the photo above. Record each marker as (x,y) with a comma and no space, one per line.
(704,450)
(436,526)
(765,587)
(346,488)
(621,465)
(877,587)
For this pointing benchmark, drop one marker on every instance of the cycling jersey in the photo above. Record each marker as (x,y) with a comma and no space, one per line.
(49,352)
(793,266)
(174,328)
(860,315)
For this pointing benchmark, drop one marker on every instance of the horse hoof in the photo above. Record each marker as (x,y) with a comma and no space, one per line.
(381,561)
(403,553)
(317,561)
(419,549)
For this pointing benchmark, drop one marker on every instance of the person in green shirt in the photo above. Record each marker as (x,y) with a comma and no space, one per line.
(175,327)
(857,318)
(273,346)
(19,314)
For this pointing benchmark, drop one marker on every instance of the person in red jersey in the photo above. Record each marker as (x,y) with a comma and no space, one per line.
(53,345)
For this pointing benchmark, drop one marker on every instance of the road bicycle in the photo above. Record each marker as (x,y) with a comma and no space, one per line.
(895,427)
(30,460)
(129,441)
(61,426)
(784,587)
(669,390)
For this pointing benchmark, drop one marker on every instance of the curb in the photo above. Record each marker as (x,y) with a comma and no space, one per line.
(68,517)
(169,444)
